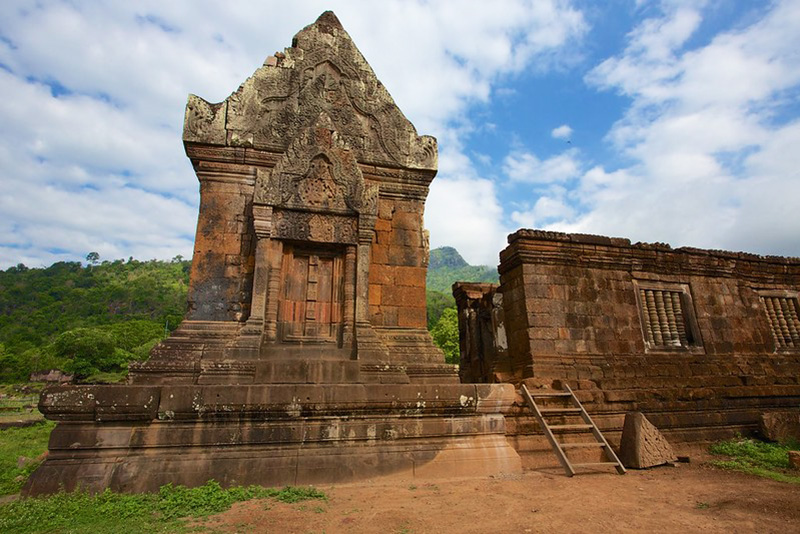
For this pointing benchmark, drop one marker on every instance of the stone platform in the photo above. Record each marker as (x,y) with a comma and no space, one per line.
(137,438)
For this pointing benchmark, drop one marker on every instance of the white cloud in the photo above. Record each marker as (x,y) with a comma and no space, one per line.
(562,132)
(94,92)
(466,214)
(549,208)
(706,130)
(525,167)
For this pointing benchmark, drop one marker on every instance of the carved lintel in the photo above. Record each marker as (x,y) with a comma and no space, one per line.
(314,227)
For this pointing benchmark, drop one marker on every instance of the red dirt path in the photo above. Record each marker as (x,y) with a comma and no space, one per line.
(686,498)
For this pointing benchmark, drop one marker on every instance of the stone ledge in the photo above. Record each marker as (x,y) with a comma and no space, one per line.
(267,402)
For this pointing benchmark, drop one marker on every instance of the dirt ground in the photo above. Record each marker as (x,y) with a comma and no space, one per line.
(686,498)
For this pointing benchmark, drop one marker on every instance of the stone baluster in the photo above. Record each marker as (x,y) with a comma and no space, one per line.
(654,319)
(648,328)
(773,321)
(680,321)
(672,326)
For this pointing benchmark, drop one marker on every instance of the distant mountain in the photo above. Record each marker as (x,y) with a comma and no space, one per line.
(447,266)
(446,257)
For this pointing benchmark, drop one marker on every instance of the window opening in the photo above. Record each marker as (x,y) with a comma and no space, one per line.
(782,314)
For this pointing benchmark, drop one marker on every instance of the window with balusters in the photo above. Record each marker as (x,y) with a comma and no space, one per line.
(782,310)
(667,316)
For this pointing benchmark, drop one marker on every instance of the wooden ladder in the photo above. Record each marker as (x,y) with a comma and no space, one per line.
(588,425)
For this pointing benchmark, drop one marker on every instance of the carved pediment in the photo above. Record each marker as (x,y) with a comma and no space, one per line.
(319,173)
(323,72)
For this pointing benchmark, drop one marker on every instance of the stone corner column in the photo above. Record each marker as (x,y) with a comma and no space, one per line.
(262,224)
(368,345)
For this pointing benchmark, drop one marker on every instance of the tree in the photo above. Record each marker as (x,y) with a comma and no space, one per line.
(437,302)
(88,351)
(93,258)
(445,335)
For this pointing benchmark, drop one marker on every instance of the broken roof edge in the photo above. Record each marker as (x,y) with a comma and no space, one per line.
(621,242)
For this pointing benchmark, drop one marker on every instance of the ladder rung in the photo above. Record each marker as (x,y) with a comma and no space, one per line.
(581,445)
(555,411)
(551,394)
(570,427)
(596,464)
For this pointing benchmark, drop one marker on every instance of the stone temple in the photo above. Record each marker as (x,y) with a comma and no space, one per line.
(304,356)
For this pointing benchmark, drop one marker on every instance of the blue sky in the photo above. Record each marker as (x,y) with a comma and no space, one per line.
(673,121)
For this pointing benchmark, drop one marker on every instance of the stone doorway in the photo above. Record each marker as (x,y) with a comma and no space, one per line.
(310,309)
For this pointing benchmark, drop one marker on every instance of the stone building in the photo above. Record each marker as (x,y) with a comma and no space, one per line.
(304,356)
(702,341)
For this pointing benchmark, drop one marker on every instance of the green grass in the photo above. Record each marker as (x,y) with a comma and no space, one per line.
(106,512)
(142,513)
(18,401)
(29,442)
(770,460)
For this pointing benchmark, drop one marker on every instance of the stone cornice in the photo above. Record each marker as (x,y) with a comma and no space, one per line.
(541,247)
(242,160)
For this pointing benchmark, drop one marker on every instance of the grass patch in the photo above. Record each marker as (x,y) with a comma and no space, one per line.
(163,511)
(29,442)
(770,460)
(141,513)
(18,401)
(108,377)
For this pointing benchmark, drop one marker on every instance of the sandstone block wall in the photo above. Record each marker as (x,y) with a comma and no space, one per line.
(693,338)
(223,260)
(398,265)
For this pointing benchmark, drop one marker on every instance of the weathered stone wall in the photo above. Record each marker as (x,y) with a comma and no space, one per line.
(222,264)
(574,294)
(580,308)
(398,265)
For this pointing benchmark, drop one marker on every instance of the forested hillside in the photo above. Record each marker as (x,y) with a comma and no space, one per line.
(48,316)
(92,319)
(447,266)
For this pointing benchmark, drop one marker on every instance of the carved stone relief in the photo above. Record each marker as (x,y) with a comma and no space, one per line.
(316,227)
(318,172)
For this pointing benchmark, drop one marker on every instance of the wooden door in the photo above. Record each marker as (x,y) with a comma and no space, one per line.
(311,305)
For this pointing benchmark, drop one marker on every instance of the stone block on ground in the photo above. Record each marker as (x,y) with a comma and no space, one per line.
(781,426)
(794,459)
(642,444)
